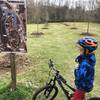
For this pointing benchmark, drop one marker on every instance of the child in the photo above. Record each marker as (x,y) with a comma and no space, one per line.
(84,73)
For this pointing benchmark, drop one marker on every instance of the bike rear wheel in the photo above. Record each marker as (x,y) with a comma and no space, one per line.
(94,98)
(46,93)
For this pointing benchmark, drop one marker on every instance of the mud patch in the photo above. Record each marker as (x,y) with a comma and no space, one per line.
(22,63)
(66,24)
(37,33)
(74,28)
(88,34)
(45,28)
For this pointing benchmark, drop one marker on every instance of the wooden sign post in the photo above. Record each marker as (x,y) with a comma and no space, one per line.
(13,71)
(13,31)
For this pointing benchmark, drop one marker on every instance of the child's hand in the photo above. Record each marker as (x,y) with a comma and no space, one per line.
(76,66)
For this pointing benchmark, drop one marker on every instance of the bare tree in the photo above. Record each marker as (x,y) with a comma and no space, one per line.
(46,8)
(97,11)
(91,6)
(31,10)
(66,5)
(62,10)
(73,12)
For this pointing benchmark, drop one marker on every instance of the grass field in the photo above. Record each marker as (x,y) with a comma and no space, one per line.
(58,43)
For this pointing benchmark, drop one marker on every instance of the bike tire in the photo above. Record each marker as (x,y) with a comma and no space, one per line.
(43,89)
(94,98)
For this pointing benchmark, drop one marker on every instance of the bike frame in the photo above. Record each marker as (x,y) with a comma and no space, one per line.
(61,82)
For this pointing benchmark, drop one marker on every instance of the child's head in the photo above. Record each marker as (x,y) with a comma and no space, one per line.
(87,45)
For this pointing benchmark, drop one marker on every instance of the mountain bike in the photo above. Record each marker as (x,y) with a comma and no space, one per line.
(50,90)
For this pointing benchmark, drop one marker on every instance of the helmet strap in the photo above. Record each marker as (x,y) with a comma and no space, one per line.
(86,51)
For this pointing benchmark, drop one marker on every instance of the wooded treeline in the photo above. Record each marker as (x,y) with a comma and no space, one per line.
(43,11)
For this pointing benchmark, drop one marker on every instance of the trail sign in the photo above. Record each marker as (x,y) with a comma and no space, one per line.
(13,26)
(13,31)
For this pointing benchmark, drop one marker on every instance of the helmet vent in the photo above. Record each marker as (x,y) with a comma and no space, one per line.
(95,42)
(89,40)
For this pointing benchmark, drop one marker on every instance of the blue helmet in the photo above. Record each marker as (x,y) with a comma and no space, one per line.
(88,43)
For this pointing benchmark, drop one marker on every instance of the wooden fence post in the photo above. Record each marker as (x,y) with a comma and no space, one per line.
(13,71)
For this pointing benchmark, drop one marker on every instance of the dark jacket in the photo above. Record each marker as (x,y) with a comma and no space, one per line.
(84,73)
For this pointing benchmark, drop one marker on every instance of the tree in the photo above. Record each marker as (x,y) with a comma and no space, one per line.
(62,10)
(46,9)
(91,6)
(97,12)
(31,10)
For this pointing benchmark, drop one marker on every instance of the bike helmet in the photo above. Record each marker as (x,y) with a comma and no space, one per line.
(88,43)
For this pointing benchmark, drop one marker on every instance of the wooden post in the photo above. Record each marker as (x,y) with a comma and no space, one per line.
(88,26)
(13,71)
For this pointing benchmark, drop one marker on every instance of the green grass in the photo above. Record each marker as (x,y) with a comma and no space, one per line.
(58,43)
(21,93)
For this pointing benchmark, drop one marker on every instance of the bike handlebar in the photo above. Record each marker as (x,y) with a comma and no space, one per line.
(51,66)
(50,63)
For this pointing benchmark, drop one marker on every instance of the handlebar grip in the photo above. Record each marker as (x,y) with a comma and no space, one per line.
(50,63)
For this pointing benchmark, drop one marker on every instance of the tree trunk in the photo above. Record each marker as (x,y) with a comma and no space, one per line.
(88,26)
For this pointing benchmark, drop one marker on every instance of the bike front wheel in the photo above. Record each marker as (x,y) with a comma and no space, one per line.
(46,93)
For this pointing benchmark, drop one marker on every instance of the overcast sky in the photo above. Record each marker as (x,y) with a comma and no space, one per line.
(72,3)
